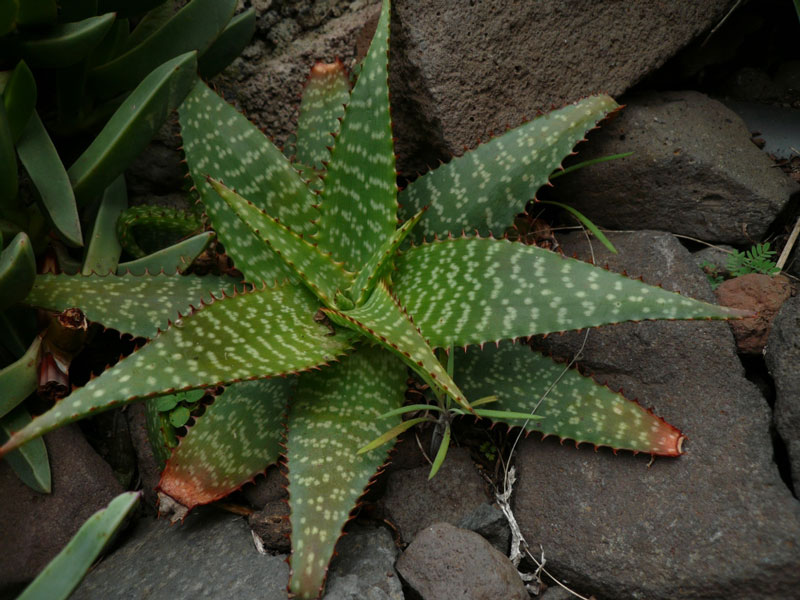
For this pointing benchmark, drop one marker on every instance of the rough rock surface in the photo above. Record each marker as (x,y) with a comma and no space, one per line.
(210,555)
(413,502)
(783,359)
(489,522)
(266,82)
(693,172)
(717,522)
(463,70)
(447,563)
(363,567)
(761,294)
(35,527)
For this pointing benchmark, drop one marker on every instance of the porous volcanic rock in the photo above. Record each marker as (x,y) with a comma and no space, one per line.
(693,172)
(464,70)
(717,522)
(35,527)
(783,359)
(447,563)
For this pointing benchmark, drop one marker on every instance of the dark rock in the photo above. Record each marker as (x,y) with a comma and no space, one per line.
(447,563)
(267,82)
(269,488)
(35,527)
(412,501)
(363,567)
(782,355)
(271,525)
(210,555)
(761,294)
(149,469)
(694,172)
(489,522)
(717,522)
(474,68)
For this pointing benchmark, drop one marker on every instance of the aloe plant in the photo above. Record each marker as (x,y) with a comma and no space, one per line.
(338,302)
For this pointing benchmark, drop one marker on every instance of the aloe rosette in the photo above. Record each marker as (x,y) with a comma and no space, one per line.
(339,302)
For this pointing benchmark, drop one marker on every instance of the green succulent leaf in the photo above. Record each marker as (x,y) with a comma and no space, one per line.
(483,189)
(177,257)
(393,432)
(571,406)
(8,165)
(208,347)
(594,229)
(35,13)
(238,436)
(326,93)
(156,221)
(384,321)
(317,270)
(103,250)
(438,460)
(222,144)
(380,263)
(19,97)
(65,571)
(17,271)
(334,413)
(473,290)
(19,379)
(8,15)
(55,198)
(193,28)
(66,44)
(30,462)
(359,202)
(132,126)
(230,43)
(138,305)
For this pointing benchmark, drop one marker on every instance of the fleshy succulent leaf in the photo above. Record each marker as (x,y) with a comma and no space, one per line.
(17,270)
(380,262)
(359,201)
(103,250)
(65,44)
(572,406)
(139,305)
(326,93)
(473,290)
(208,347)
(486,187)
(384,321)
(177,257)
(317,270)
(65,571)
(222,144)
(30,462)
(19,379)
(334,414)
(236,438)
(229,44)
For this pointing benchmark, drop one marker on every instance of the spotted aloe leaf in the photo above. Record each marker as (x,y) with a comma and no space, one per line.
(237,437)
(209,347)
(384,321)
(464,291)
(327,91)
(222,144)
(359,200)
(483,189)
(139,305)
(335,413)
(314,268)
(577,408)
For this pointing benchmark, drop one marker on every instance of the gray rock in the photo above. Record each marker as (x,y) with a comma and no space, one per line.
(210,555)
(714,255)
(472,68)
(413,502)
(783,359)
(35,527)
(363,568)
(694,172)
(489,522)
(717,522)
(447,563)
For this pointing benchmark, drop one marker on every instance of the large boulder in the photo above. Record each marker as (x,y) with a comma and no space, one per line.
(693,172)
(717,522)
(465,70)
